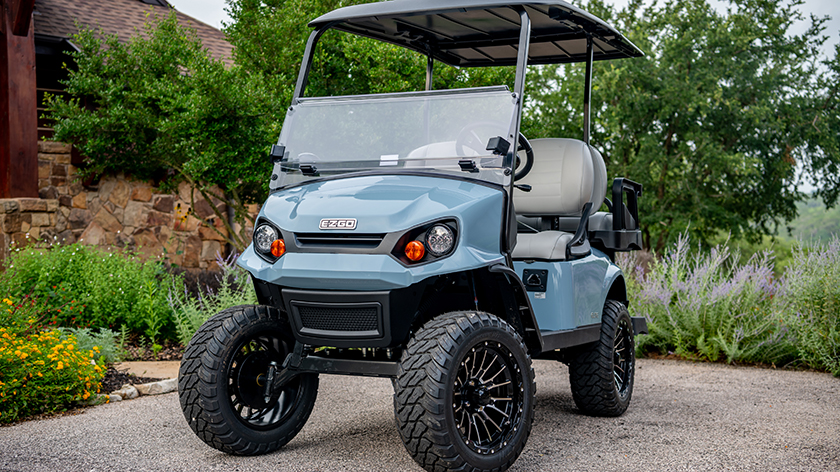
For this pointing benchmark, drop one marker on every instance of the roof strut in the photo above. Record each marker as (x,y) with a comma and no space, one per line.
(521,66)
(587,88)
(308,54)
(430,64)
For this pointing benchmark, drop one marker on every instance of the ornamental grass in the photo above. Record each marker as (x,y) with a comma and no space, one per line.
(710,305)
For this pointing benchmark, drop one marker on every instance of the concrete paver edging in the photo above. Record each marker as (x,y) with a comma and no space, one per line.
(166,369)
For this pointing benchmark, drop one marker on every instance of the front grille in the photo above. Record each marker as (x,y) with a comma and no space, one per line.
(324,318)
(339,240)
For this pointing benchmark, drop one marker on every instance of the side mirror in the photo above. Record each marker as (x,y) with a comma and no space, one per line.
(277,153)
(498,145)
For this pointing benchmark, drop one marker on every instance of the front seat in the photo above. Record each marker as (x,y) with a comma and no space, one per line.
(563,180)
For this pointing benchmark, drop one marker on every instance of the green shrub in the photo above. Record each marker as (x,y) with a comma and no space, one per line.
(42,373)
(107,345)
(235,288)
(809,300)
(85,286)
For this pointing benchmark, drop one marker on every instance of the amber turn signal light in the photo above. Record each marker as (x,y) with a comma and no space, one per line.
(415,250)
(278,248)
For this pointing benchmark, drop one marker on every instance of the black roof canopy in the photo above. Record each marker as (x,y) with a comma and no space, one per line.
(473,33)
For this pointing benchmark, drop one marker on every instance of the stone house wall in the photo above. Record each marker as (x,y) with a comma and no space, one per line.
(115,211)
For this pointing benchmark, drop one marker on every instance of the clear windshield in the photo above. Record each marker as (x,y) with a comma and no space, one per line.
(396,132)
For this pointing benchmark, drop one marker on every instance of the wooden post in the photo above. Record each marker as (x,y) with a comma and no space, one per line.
(18,101)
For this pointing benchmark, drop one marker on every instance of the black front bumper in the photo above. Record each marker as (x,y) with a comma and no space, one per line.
(345,318)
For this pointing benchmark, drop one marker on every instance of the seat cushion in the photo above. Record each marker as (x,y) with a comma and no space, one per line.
(545,245)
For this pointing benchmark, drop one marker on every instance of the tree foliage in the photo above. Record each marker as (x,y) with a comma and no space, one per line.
(713,121)
(165,110)
(269,36)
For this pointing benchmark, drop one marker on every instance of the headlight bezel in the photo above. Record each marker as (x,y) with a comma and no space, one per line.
(419,233)
(260,237)
(266,253)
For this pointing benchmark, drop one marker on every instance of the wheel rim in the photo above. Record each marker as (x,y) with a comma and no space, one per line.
(487,397)
(247,378)
(622,356)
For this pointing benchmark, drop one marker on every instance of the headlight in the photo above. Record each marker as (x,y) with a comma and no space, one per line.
(263,237)
(439,240)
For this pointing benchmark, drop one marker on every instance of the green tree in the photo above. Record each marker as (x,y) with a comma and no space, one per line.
(270,36)
(165,110)
(712,121)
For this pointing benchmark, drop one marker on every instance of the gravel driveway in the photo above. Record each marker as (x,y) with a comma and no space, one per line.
(684,416)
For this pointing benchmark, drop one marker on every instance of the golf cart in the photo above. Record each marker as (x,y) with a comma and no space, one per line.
(420,237)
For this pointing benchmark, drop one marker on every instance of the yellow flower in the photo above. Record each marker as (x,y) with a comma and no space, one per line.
(60,365)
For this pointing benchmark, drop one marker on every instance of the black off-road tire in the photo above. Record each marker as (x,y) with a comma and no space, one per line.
(602,373)
(434,380)
(207,392)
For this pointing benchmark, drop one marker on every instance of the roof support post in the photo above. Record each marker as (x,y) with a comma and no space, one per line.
(522,52)
(430,65)
(306,63)
(587,88)
(521,68)
(509,223)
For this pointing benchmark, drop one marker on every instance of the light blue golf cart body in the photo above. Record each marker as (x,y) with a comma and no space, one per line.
(358,178)
(419,236)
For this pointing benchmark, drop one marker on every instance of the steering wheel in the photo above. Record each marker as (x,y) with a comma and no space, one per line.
(307,158)
(468,138)
(524,145)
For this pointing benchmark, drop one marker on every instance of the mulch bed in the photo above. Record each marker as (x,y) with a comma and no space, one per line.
(115,379)
(171,352)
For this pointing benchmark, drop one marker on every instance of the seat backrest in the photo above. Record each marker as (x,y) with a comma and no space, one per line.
(562,179)
(599,189)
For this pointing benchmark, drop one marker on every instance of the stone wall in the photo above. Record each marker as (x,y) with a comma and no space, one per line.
(115,211)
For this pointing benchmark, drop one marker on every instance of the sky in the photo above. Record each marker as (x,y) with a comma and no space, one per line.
(213,13)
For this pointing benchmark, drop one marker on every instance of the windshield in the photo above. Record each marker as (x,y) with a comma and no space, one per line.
(396,132)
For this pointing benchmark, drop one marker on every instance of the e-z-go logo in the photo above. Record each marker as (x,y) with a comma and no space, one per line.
(338,223)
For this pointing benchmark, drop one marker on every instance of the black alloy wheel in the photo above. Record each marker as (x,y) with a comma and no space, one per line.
(260,407)
(622,360)
(488,390)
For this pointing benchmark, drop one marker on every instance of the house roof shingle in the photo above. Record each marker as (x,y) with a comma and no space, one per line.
(57,18)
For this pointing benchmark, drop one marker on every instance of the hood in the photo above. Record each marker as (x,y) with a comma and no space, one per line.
(380,204)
